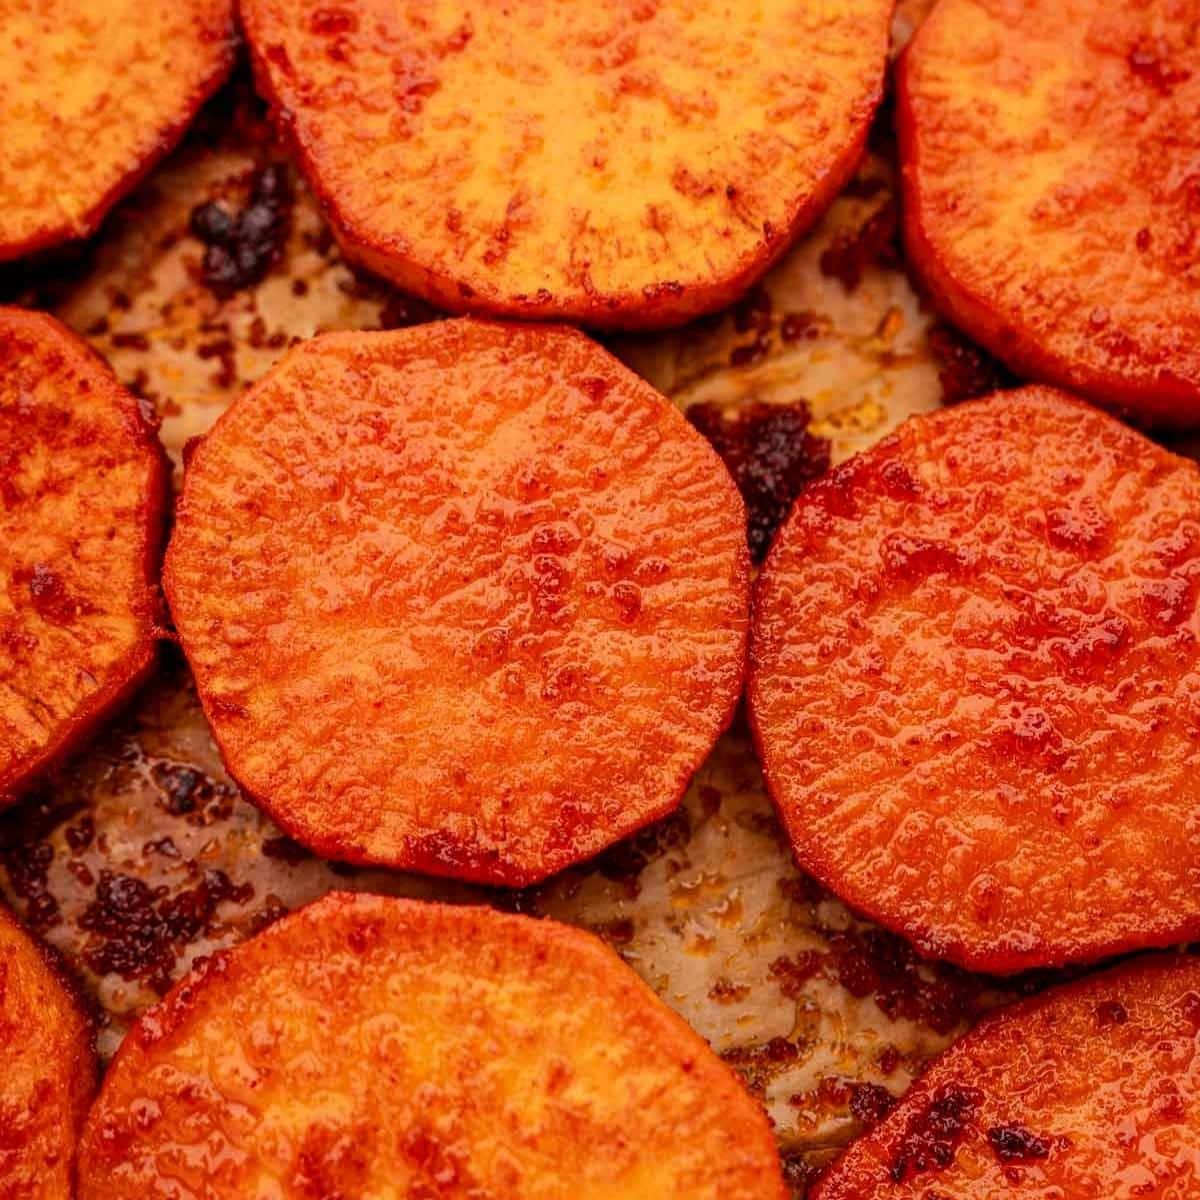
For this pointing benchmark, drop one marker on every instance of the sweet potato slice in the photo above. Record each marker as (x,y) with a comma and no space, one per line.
(1052,200)
(369,1046)
(47,1070)
(92,94)
(1087,1090)
(975,683)
(464,598)
(82,489)
(618,165)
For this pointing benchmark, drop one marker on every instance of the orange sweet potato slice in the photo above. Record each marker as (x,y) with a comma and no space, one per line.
(975,683)
(1087,1090)
(368,1046)
(464,598)
(1052,198)
(617,165)
(82,490)
(47,1071)
(92,94)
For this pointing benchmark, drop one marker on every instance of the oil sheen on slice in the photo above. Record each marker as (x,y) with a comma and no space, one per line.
(368,1046)
(466,598)
(975,683)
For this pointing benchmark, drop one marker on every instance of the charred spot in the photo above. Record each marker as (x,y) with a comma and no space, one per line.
(1151,60)
(758,1065)
(27,854)
(49,595)
(1013,1143)
(180,787)
(725,991)
(801,326)
(137,931)
(618,932)
(964,370)
(625,861)
(793,973)
(1109,1013)
(883,966)
(79,836)
(870,1103)
(771,455)
(285,850)
(185,791)
(852,251)
(131,341)
(241,247)
(933,1134)
(798,1173)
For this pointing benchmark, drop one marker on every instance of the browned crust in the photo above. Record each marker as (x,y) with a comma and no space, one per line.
(1102,983)
(84,1060)
(456,861)
(649,1017)
(169,137)
(996,958)
(1170,402)
(139,662)
(662,308)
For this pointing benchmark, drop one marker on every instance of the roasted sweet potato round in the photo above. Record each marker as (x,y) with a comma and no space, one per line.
(47,1070)
(1052,197)
(371,1046)
(617,165)
(975,683)
(82,489)
(465,598)
(1088,1090)
(92,94)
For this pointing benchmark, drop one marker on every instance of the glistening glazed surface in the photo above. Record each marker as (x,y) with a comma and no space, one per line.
(464,598)
(623,165)
(1052,194)
(81,496)
(1088,1090)
(49,1071)
(976,686)
(368,1046)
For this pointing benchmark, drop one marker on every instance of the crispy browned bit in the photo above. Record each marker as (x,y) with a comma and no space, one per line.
(241,247)
(852,251)
(1013,1143)
(771,454)
(625,861)
(870,1103)
(964,370)
(137,931)
(933,1134)
(758,1065)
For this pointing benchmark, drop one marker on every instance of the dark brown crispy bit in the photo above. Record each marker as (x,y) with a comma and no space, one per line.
(771,455)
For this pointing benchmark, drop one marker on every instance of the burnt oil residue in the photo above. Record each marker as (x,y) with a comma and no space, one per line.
(138,932)
(1013,1143)
(240,247)
(771,454)
(965,371)
(935,1132)
(854,250)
